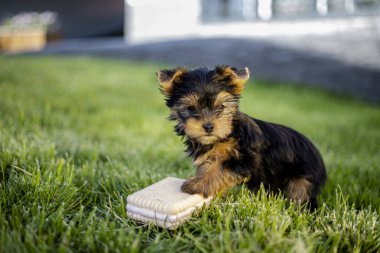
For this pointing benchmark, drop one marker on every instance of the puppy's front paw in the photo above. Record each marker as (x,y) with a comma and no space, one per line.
(194,186)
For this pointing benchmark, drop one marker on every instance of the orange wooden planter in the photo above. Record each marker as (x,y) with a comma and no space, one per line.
(22,40)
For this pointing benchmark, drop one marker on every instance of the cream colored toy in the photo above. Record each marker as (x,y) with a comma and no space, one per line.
(164,204)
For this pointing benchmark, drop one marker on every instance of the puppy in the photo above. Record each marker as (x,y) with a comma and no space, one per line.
(229,147)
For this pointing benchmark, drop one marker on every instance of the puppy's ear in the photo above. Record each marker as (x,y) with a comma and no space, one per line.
(168,78)
(232,77)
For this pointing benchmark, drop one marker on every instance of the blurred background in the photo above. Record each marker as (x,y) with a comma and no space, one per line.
(334,44)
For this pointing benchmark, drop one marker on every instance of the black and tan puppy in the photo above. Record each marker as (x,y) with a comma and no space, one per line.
(229,147)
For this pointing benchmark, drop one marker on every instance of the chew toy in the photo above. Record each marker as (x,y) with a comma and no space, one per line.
(164,204)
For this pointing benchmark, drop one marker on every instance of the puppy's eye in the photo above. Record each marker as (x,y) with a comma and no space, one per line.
(192,110)
(220,110)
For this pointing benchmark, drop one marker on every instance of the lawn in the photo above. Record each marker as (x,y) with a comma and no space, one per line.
(78,135)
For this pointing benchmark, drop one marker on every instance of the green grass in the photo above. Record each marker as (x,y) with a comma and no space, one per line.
(79,135)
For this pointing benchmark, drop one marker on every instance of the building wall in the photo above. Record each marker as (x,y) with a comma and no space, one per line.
(152,19)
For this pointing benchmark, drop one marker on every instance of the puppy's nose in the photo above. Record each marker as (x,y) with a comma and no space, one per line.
(208,127)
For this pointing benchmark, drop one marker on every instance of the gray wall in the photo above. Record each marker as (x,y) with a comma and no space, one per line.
(81,18)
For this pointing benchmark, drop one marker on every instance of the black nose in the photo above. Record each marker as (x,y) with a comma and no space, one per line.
(208,127)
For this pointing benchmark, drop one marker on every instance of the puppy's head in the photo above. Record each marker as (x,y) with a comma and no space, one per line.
(203,101)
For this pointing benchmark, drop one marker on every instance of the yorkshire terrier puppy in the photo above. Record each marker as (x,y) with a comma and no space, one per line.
(229,147)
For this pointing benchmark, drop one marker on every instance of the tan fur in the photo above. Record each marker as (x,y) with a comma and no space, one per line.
(211,177)
(167,82)
(219,152)
(237,80)
(239,86)
(299,189)
(222,98)
(222,126)
(194,129)
(190,100)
